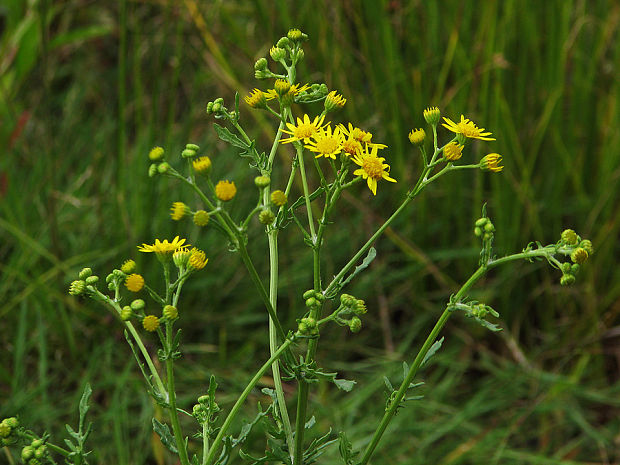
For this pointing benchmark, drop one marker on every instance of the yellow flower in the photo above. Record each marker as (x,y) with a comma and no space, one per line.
(279,90)
(326,143)
(225,190)
(453,151)
(467,128)
(432,115)
(304,130)
(351,146)
(278,198)
(163,248)
(334,101)
(256,99)
(372,168)
(356,133)
(128,266)
(201,218)
(178,210)
(134,282)
(491,162)
(417,136)
(156,154)
(202,165)
(150,323)
(197,259)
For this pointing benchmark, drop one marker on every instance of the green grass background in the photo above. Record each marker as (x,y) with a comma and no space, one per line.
(87,88)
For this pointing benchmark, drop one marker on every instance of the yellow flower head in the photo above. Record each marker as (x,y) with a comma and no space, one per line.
(417,136)
(351,146)
(256,99)
(163,247)
(156,154)
(134,282)
(372,168)
(225,190)
(356,133)
(452,151)
(432,115)
(492,162)
(150,323)
(178,210)
(197,259)
(202,165)
(278,198)
(326,143)
(285,91)
(128,266)
(334,101)
(467,128)
(201,218)
(304,130)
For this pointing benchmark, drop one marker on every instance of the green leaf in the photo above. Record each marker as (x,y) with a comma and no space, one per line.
(344,384)
(346,449)
(165,436)
(372,253)
(432,351)
(227,136)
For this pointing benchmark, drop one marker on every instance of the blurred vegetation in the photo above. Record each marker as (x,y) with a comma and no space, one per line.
(87,88)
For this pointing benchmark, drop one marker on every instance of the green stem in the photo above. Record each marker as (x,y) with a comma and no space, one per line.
(205,443)
(147,359)
(235,409)
(172,403)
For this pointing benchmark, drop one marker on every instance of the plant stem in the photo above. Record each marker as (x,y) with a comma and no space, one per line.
(235,409)
(172,402)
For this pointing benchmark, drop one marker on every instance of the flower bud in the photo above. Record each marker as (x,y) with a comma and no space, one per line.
(170,313)
(27,453)
(216,107)
(178,210)
(569,236)
(417,136)
(480,222)
(152,170)
(266,216)
(202,165)
(262,181)
(432,115)
(199,413)
(300,55)
(156,154)
(566,268)
(5,430)
(355,324)
(278,198)
(193,147)
(347,300)
(209,108)
(311,302)
(491,162)
(137,305)
(309,293)
(85,273)
(128,267)
(477,231)
(334,101)
(150,323)
(180,257)
(36,443)
(77,287)
(277,53)
(204,399)
(281,86)
(262,74)
(489,227)
(225,190)
(126,313)
(574,269)
(163,168)
(294,35)
(197,259)
(283,42)
(461,138)
(360,307)
(11,422)
(134,282)
(567,280)
(201,218)
(40,451)
(260,65)
(453,151)
(188,153)
(579,255)
(587,246)
(92,280)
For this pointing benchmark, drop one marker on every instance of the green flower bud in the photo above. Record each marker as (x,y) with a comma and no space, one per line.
(487,236)
(209,108)
(126,313)
(348,300)
(567,280)
(170,313)
(300,55)
(278,198)
(303,328)
(219,100)
(27,453)
(11,422)
(262,181)
(489,227)
(262,74)
(311,302)
(204,399)
(5,430)
(461,139)
(310,322)
(360,307)
(587,246)
(217,107)
(355,325)
(40,452)
(137,305)
(480,222)
(579,255)
(34,461)
(85,273)
(156,154)
(277,53)
(309,293)
(319,296)
(152,170)
(128,267)
(193,147)
(36,443)
(294,35)
(266,216)
(260,65)
(477,231)
(432,115)
(565,267)
(92,280)
(201,218)
(283,42)
(574,270)
(188,153)
(163,168)
(569,237)
(77,287)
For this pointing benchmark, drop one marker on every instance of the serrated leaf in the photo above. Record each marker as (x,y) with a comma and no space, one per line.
(344,384)
(346,449)
(372,253)
(84,403)
(227,136)
(165,436)
(310,423)
(432,351)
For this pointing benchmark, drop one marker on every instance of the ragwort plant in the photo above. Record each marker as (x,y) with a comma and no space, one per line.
(343,157)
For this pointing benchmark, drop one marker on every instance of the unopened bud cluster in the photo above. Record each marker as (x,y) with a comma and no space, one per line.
(348,314)
(484,228)
(581,251)
(85,284)
(8,431)
(36,453)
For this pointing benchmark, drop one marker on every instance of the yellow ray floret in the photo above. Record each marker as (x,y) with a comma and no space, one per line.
(467,128)
(162,247)
(326,143)
(372,168)
(304,130)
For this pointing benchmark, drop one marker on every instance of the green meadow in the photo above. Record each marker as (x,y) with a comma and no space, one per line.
(88,88)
